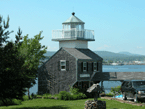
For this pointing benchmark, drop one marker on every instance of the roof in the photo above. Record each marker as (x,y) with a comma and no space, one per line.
(73,19)
(134,80)
(81,53)
(118,76)
(78,53)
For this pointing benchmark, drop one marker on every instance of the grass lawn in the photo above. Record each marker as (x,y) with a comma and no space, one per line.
(40,103)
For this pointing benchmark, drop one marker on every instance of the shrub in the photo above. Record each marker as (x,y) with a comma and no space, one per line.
(25,97)
(73,90)
(116,90)
(75,97)
(110,94)
(81,96)
(63,95)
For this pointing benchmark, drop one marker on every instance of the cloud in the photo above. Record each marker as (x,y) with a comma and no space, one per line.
(103,47)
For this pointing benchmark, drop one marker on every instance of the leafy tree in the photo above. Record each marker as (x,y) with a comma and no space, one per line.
(30,50)
(18,68)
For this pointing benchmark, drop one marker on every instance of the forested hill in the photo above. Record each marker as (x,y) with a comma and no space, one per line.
(106,55)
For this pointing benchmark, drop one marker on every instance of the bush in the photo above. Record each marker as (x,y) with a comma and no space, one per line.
(110,94)
(116,90)
(81,96)
(75,97)
(63,95)
(73,90)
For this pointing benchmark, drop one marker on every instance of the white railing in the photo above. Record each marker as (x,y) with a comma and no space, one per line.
(72,33)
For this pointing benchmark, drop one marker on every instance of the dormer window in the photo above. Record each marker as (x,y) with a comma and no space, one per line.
(84,66)
(63,65)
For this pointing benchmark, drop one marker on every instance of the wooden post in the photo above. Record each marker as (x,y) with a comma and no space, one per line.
(102,87)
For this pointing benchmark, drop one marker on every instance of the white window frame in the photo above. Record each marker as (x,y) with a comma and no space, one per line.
(62,65)
(84,66)
(95,66)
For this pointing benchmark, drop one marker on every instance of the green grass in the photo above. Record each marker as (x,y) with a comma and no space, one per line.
(61,104)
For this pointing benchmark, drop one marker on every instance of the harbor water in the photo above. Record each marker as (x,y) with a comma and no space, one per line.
(106,68)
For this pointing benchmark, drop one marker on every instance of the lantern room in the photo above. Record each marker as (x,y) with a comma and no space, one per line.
(73,34)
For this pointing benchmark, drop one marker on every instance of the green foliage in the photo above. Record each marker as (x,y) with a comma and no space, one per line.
(63,95)
(116,90)
(73,90)
(110,94)
(72,95)
(3,34)
(12,83)
(30,50)
(81,95)
(19,64)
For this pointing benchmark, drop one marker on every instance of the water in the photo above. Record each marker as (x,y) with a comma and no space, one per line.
(106,68)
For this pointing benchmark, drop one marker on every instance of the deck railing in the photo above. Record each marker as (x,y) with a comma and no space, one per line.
(72,33)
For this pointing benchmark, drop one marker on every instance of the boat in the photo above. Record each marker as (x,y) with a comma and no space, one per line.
(117,64)
(114,64)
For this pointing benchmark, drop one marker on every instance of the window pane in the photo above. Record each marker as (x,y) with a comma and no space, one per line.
(139,83)
(62,67)
(84,63)
(63,63)
(84,68)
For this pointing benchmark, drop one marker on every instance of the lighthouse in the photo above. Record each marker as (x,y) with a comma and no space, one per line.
(73,34)
(74,64)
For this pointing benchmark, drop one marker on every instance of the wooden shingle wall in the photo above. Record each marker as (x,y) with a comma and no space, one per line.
(51,79)
(89,69)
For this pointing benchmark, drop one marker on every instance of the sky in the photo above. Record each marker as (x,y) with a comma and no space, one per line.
(119,25)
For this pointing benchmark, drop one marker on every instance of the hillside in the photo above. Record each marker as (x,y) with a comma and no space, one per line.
(106,55)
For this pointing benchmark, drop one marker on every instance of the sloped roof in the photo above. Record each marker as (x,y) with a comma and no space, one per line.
(80,53)
(73,19)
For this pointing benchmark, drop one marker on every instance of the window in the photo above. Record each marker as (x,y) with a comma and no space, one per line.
(63,65)
(95,66)
(84,66)
(130,84)
(126,84)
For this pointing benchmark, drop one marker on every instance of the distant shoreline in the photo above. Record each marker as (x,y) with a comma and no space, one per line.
(122,65)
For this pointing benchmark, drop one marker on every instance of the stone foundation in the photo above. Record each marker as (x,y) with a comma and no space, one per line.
(91,104)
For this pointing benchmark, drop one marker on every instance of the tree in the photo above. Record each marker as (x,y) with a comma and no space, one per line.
(30,49)
(4,35)
(18,68)
(11,78)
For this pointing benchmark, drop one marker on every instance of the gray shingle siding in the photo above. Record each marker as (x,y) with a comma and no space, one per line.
(52,81)
(89,70)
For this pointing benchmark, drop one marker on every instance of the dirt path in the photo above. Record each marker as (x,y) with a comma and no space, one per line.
(124,101)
